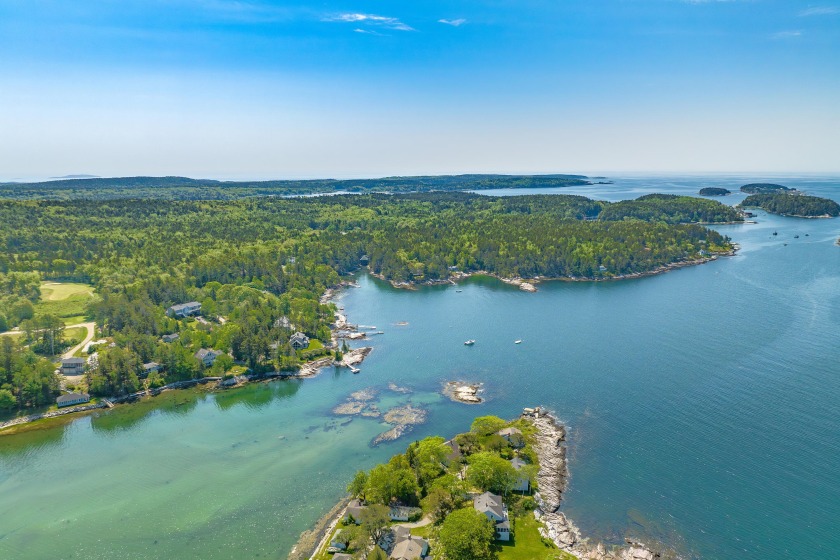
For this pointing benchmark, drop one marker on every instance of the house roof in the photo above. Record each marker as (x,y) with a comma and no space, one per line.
(206,352)
(509,432)
(455,450)
(72,397)
(408,549)
(401,533)
(72,361)
(489,502)
(151,365)
(517,463)
(183,306)
(299,336)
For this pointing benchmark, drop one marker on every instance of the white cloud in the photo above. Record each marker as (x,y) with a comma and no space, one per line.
(820,11)
(453,22)
(787,35)
(372,19)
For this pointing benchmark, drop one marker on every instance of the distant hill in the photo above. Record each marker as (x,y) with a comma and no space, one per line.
(714,191)
(764,188)
(185,188)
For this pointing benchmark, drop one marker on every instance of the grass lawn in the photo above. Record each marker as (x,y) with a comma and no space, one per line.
(65,300)
(77,333)
(55,291)
(315,344)
(527,544)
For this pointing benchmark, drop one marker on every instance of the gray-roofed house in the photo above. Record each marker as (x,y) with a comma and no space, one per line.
(355,509)
(170,337)
(411,548)
(513,436)
(71,399)
(523,483)
(495,509)
(207,356)
(454,451)
(299,341)
(283,323)
(151,367)
(73,366)
(184,309)
(337,543)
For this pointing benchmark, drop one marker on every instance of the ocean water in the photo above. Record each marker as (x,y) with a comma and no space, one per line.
(703,406)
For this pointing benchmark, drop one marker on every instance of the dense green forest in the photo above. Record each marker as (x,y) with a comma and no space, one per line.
(794,205)
(184,188)
(258,264)
(765,188)
(714,191)
(671,209)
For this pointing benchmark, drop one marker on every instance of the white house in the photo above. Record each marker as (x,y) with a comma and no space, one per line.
(71,399)
(207,356)
(495,509)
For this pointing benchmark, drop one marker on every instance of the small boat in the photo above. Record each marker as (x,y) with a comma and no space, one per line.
(458,291)
(796,237)
(469,342)
(517,341)
(775,233)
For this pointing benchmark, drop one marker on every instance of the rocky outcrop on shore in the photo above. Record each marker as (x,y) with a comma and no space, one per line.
(552,479)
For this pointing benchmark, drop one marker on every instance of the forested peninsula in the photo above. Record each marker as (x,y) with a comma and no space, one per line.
(185,188)
(257,268)
(795,205)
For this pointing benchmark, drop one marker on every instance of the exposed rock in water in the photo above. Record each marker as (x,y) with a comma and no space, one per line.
(467,393)
(359,403)
(349,408)
(397,389)
(404,418)
(364,394)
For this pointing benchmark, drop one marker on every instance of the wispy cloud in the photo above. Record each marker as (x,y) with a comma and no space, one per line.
(367,31)
(820,11)
(787,35)
(373,20)
(453,22)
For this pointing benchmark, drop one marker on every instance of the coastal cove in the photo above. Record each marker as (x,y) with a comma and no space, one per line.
(701,406)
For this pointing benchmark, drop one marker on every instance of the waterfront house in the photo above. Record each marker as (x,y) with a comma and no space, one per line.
(73,366)
(454,451)
(71,399)
(523,483)
(410,548)
(337,544)
(283,323)
(184,309)
(207,356)
(513,436)
(151,367)
(355,509)
(496,511)
(170,337)
(299,341)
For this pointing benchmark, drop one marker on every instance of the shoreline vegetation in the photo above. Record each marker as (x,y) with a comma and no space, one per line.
(793,204)
(537,436)
(257,271)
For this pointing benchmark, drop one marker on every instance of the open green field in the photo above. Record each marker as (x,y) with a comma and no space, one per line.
(76,333)
(65,300)
(527,544)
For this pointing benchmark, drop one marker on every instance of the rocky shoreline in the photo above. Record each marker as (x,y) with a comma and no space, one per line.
(530,284)
(552,479)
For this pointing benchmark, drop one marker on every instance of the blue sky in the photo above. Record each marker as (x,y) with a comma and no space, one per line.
(257,89)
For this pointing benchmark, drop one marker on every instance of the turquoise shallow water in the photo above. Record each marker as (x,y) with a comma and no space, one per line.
(703,407)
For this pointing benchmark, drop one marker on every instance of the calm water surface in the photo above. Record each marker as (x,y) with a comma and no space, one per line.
(703,407)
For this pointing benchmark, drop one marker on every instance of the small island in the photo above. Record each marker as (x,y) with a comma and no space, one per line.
(765,188)
(492,493)
(714,191)
(794,205)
